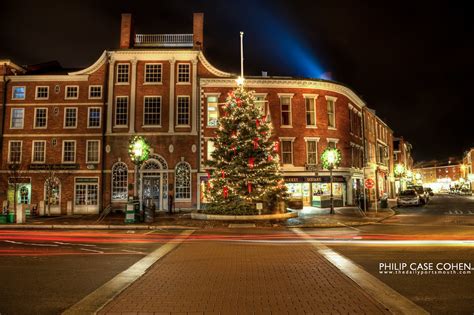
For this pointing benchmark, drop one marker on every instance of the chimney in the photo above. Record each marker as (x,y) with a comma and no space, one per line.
(126,31)
(198,26)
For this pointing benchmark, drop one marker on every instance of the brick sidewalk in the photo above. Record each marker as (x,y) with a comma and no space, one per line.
(243,278)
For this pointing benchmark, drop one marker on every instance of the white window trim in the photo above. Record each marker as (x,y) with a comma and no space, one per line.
(335,140)
(36,92)
(290,95)
(161,112)
(177,73)
(33,152)
(189,112)
(144,74)
(75,152)
(115,112)
(88,117)
(207,95)
(206,140)
(64,119)
(11,118)
(9,151)
(95,97)
(65,92)
(314,97)
(94,183)
(112,182)
(306,139)
(87,152)
(117,74)
(292,140)
(13,94)
(34,122)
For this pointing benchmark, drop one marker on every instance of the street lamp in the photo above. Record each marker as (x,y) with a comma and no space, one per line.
(138,150)
(330,158)
(399,171)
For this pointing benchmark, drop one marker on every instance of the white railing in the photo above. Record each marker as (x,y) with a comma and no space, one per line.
(164,40)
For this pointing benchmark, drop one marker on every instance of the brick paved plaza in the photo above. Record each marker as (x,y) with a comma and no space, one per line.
(219,277)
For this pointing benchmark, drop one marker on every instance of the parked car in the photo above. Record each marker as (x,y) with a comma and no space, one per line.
(409,197)
(465,192)
(424,196)
(429,191)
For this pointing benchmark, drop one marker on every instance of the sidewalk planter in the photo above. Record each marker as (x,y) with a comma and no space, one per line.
(222,217)
(3,219)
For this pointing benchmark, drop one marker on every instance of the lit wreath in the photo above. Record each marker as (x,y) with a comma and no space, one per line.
(138,149)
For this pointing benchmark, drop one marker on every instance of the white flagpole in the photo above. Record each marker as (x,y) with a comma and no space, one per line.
(242,54)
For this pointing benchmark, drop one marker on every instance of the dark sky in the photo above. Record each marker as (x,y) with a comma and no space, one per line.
(412,61)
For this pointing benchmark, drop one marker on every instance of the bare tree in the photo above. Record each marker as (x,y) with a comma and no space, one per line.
(16,172)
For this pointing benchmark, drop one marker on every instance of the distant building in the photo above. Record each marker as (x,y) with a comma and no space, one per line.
(440,175)
(402,155)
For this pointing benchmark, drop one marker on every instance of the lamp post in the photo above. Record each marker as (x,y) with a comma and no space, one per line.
(330,158)
(399,172)
(138,150)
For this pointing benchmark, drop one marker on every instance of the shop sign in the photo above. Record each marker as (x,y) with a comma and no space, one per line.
(87,180)
(46,167)
(369,183)
(314,179)
(19,180)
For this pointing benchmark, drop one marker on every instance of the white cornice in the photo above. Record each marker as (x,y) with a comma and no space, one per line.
(287,84)
(211,68)
(139,54)
(10,64)
(91,69)
(49,78)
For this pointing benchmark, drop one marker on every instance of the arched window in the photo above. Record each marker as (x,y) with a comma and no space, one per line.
(183,181)
(120,181)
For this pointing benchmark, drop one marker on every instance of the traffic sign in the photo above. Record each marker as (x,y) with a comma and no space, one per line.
(369,183)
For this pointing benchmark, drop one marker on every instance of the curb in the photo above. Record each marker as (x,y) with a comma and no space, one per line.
(95,227)
(221,217)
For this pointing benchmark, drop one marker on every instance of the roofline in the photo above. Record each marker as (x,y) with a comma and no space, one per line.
(11,64)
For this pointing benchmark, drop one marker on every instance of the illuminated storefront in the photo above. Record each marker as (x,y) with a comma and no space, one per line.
(314,191)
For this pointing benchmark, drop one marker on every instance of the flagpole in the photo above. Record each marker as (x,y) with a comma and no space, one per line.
(241,54)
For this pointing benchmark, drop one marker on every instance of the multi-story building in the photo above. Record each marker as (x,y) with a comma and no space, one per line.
(467,167)
(65,134)
(440,175)
(402,155)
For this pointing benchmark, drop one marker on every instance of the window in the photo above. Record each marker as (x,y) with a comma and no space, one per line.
(92,151)
(152,111)
(184,72)
(122,72)
(42,92)
(182,119)
(331,113)
(72,92)
(310,111)
(312,152)
(287,151)
(93,119)
(18,93)
(121,111)
(210,149)
(14,151)
(70,117)
(95,91)
(260,103)
(17,120)
(212,111)
(285,103)
(119,181)
(183,181)
(153,73)
(86,194)
(39,152)
(69,151)
(41,117)
(331,143)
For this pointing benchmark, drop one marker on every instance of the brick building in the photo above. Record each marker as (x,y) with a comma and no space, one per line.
(440,175)
(66,132)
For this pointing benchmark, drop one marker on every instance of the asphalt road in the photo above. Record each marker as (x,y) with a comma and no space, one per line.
(45,272)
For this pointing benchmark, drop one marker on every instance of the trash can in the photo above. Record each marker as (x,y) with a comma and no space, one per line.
(11,217)
(149,210)
(384,202)
(3,218)
(130,212)
(363,203)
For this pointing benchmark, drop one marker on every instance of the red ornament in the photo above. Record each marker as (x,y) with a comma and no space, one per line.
(255,143)
(249,187)
(226,192)
(223,174)
(251,162)
(270,158)
(257,123)
(208,175)
(208,185)
(276,146)
(264,118)
(239,102)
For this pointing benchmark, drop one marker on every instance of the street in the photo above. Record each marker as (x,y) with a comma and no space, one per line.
(244,270)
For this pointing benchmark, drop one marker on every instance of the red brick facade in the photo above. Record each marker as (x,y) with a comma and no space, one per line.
(161,94)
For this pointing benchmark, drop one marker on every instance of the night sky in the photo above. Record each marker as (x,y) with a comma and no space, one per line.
(411,61)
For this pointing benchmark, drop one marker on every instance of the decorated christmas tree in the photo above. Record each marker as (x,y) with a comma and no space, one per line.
(244,169)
